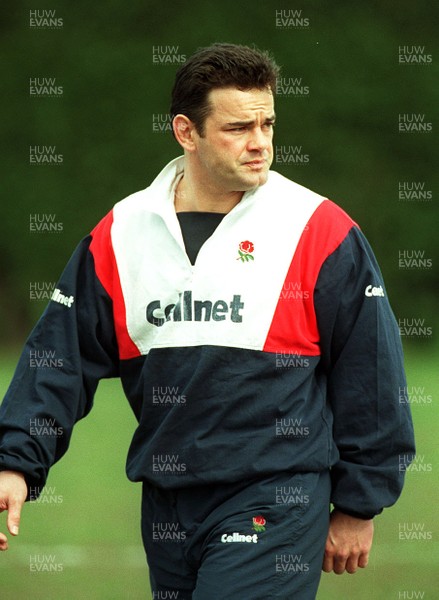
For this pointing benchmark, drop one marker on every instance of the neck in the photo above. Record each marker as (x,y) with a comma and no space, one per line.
(194,195)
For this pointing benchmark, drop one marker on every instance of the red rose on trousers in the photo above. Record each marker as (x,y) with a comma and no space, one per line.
(246,247)
(259,523)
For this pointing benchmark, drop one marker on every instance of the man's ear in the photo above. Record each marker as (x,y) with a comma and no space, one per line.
(184,131)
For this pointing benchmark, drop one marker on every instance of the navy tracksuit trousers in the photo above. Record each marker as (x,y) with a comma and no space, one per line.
(254,540)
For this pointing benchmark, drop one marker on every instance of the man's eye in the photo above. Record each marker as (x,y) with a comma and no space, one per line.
(238,129)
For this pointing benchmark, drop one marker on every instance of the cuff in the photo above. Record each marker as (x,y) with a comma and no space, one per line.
(351,513)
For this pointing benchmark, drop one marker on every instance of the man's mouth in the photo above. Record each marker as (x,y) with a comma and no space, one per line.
(256,164)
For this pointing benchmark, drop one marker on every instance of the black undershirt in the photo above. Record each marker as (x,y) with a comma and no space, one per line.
(196,228)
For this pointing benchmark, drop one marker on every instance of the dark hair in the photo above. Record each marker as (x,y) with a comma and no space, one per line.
(218,66)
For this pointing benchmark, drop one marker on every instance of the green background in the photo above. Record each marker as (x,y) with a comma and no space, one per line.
(102,56)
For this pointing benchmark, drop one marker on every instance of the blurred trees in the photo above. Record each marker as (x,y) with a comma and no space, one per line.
(109,124)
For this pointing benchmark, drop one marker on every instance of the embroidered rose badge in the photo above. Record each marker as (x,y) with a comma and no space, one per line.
(259,523)
(245,251)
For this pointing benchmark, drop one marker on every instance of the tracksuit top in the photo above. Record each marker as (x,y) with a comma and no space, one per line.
(277,351)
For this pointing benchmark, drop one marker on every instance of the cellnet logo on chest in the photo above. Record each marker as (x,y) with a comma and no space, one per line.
(189,309)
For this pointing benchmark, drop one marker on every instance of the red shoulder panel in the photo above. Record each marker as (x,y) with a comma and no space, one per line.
(108,274)
(293,329)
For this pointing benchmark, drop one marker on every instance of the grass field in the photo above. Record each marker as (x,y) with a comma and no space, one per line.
(88,527)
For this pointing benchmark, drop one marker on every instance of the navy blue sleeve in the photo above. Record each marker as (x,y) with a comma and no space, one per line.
(71,348)
(366,386)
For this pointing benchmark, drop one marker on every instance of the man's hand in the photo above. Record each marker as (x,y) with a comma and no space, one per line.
(13,492)
(348,543)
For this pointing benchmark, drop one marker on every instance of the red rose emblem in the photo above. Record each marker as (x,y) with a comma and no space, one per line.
(259,523)
(246,247)
(245,251)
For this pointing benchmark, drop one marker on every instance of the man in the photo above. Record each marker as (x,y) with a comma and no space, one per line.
(249,323)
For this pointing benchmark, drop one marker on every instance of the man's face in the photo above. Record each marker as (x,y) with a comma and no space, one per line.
(236,150)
